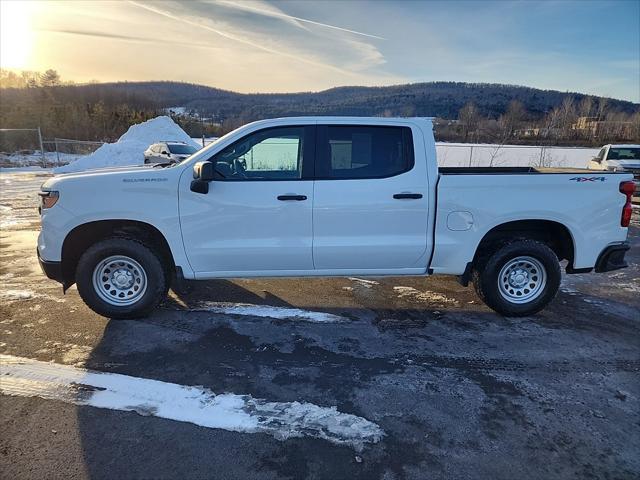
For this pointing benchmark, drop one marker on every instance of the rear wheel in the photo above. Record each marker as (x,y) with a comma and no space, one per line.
(121,278)
(518,279)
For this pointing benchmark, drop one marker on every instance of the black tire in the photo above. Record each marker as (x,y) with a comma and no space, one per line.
(156,278)
(486,272)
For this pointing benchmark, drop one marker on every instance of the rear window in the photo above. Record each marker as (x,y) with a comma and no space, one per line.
(624,153)
(358,152)
(182,149)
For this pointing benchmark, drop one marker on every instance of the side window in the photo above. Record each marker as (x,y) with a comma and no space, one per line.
(271,154)
(601,154)
(357,152)
(155,148)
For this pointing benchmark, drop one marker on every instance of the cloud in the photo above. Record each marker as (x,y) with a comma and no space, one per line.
(128,38)
(244,39)
(270,11)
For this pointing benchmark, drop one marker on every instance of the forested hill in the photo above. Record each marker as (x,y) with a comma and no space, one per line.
(441,99)
(486,112)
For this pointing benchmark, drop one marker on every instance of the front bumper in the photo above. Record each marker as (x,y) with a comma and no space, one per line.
(612,258)
(52,270)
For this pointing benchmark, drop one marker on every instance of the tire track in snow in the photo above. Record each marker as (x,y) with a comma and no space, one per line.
(240,413)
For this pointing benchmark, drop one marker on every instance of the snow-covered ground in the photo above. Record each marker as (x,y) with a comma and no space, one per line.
(485,155)
(34,159)
(18,196)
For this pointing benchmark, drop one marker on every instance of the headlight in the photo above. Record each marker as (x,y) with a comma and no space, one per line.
(48,199)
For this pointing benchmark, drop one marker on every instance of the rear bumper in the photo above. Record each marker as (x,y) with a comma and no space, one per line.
(52,270)
(612,258)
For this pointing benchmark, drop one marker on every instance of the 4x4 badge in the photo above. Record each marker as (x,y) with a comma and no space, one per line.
(588,179)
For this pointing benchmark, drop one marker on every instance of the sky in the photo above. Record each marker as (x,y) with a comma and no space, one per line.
(587,46)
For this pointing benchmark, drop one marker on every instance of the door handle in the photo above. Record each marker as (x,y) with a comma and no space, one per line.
(297,198)
(413,196)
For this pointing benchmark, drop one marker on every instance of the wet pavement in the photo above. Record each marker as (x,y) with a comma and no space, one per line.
(457,390)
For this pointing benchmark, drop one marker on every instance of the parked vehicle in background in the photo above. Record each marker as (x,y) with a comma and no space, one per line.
(169,151)
(619,158)
(329,196)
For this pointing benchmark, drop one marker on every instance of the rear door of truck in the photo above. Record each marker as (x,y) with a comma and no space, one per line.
(370,198)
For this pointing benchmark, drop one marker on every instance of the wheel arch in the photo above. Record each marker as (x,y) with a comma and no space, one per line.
(83,236)
(552,233)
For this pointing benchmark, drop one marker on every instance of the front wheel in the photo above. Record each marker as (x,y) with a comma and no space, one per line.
(121,278)
(519,279)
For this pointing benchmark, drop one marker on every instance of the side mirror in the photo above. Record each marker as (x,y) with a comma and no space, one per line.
(596,159)
(164,152)
(203,173)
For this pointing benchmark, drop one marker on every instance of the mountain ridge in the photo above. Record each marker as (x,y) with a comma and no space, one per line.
(441,99)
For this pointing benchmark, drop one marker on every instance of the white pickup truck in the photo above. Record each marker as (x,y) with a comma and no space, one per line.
(329,196)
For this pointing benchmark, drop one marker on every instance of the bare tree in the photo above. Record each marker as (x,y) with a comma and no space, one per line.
(512,119)
(469,118)
(586,107)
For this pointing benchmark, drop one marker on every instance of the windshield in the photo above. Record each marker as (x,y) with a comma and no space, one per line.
(624,153)
(182,149)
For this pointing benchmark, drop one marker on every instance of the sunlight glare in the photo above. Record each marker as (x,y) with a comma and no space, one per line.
(16,35)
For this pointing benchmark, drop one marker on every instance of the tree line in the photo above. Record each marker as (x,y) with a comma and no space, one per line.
(465,112)
(588,122)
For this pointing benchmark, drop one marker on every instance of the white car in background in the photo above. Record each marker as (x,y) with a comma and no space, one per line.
(169,151)
(619,158)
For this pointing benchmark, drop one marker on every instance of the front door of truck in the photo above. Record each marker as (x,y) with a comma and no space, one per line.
(256,217)
(370,199)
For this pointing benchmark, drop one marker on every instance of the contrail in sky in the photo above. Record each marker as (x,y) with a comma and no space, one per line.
(258,46)
(274,13)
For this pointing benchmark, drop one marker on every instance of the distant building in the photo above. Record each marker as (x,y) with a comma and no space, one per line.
(596,127)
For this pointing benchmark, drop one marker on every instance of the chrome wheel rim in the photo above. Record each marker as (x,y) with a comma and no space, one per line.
(119,280)
(522,279)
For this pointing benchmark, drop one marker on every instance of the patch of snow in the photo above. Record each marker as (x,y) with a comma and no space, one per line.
(9,222)
(364,283)
(31,169)
(269,311)
(17,294)
(632,286)
(426,296)
(239,413)
(77,355)
(130,147)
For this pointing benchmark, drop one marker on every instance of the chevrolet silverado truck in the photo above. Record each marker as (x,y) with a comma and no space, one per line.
(329,196)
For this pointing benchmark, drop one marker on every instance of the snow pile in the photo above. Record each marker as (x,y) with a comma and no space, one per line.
(130,147)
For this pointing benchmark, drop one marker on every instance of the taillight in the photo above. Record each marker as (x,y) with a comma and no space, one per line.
(627,188)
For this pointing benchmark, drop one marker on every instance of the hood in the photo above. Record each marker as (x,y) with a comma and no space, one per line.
(134,171)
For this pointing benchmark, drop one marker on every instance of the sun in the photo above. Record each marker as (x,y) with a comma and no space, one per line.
(16,36)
